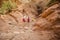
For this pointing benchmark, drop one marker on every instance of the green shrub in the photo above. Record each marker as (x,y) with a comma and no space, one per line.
(7,6)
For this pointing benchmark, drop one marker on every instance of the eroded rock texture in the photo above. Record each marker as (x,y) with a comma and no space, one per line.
(45,26)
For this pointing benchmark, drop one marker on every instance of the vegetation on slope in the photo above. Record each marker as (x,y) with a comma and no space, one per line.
(7,6)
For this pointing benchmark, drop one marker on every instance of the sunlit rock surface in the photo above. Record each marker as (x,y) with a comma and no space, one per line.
(12,26)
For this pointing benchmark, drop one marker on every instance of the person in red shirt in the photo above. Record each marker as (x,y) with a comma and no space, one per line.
(26,19)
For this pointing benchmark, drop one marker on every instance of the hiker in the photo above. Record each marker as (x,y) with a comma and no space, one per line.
(26,19)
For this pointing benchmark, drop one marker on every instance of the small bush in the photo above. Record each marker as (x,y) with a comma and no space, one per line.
(7,6)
